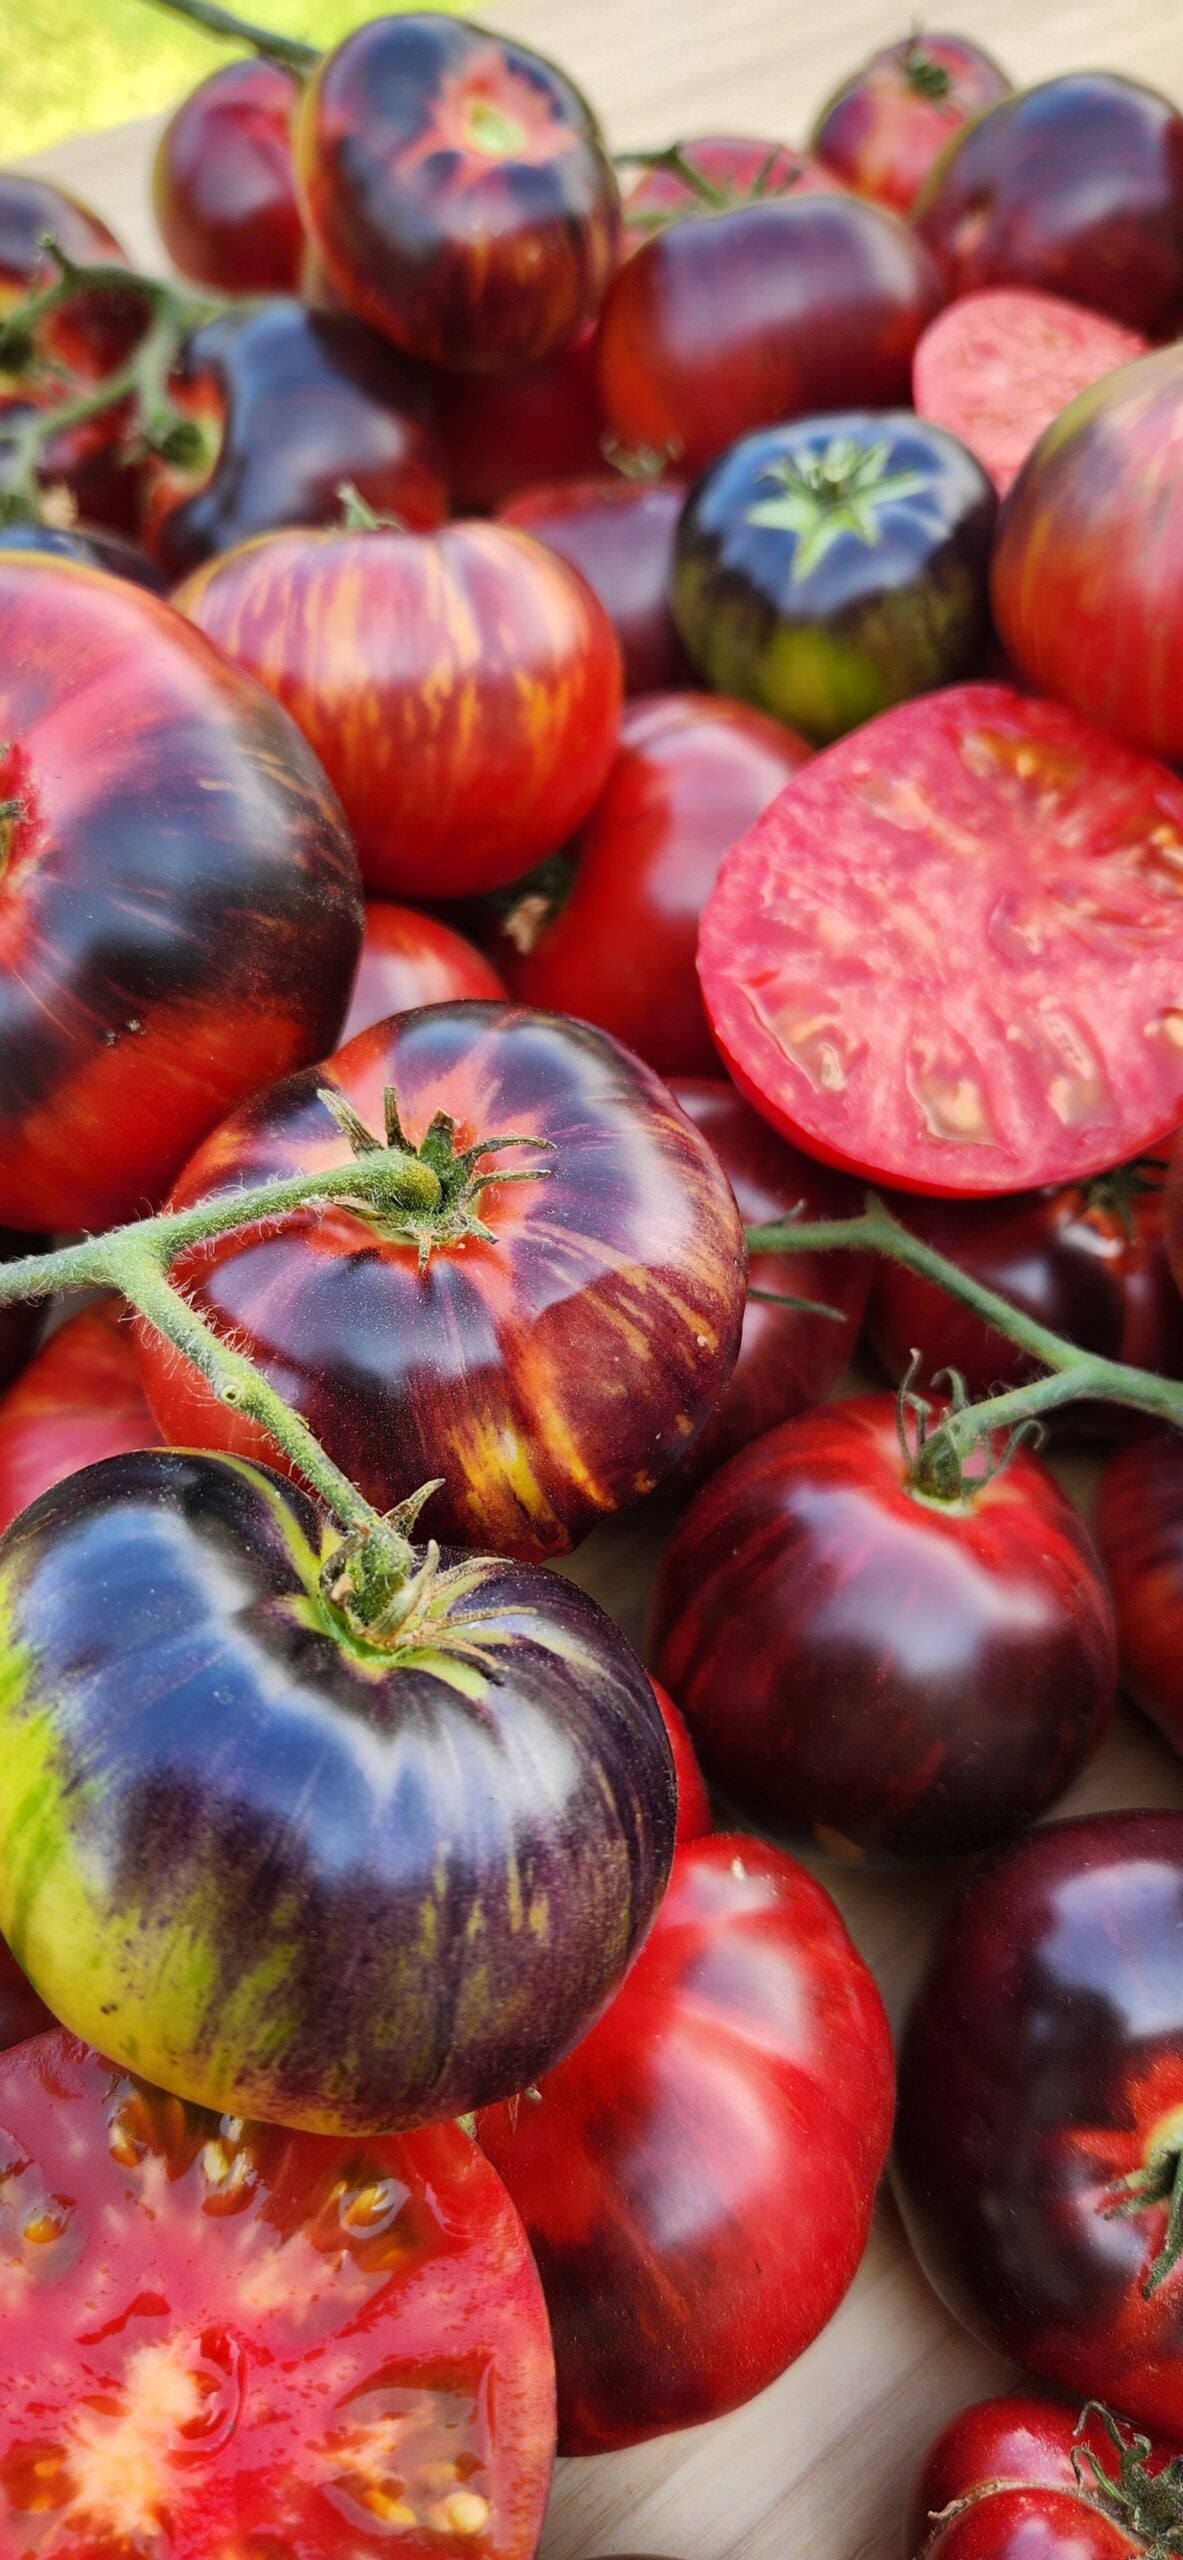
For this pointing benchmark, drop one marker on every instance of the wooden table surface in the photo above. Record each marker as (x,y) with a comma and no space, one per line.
(815,2468)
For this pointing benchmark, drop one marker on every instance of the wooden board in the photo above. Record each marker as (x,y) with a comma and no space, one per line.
(815,2469)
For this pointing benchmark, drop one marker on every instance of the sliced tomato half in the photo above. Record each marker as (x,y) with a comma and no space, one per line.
(950,954)
(221,2341)
(996,367)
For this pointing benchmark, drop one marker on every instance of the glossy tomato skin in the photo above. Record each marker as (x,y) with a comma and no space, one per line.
(887,125)
(542,425)
(223,185)
(91,546)
(1075,186)
(619,534)
(880,1676)
(692,772)
(787,1358)
(1085,576)
(409,959)
(776,310)
(303,2342)
(458,192)
(18,1325)
(91,335)
(211,1752)
(551,1376)
(828,569)
(731,168)
(461,688)
(1140,1535)
(79,1400)
(694,1804)
(1042,2067)
(180,913)
(22,2014)
(1016,2475)
(697,2179)
(997,366)
(295,404)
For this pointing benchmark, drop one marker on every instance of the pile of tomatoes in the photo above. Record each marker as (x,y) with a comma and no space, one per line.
(615,703)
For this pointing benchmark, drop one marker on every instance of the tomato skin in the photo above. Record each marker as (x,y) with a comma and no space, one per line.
(22,2014)
(461,688)
(973,2498)
(787,1359)
(91,335)
(996,367)
(619,534)
(691,773)
(295,403)
(91,546)
(584,1347)
(1076,187)
(697,2178)
(18,1325)
(223,185)
(331,2302)
(542,425)
(774,311)
(742,168)
(1140,1535)
(458,192)
(1090,545)
(79,1400)
(887,124)
(694,1804)
(90,463)
(877,1676)
(409,959)
(206,1748)
(821,621)
(1042,2065)
(180,913)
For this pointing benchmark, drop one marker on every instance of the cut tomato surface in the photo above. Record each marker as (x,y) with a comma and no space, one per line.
(996,367)
(950,954)
(222,2341)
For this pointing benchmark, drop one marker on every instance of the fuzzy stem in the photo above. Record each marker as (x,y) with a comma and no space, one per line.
(290,52)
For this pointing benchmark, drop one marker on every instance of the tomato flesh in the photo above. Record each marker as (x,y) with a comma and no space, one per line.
(996,367)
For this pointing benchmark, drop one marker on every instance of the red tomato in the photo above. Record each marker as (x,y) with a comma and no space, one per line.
(22,2014)
(1140,1534)
(180,915)
(950,955)
(996,367)
(223,185)
(550,1374)
(620,535)
(1086,573)
(18,1324)
(787,1359)
(89,335)
(694,1804)
(79,1400)
(697,2178)
(869,1670)
(1040,2130)
(409,959)
(462,689)
(730,169)
(693,771)
(1076,187)
(888,123)
(542,425)
(1039,2478)
(238,2343)
(85,472)
(772,311)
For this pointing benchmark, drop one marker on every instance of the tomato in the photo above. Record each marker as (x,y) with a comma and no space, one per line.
(22,2014)
(996,367)
(890,121)
(620,535)
(1088,1259)
(1076,187)
(226,1842)
(1041,2099)
(458,192)
(18,1324)
(85,472)
(79,1400)
(461,688)
(775,310)
(240,2344)
(295,404)
(694,1804)
(179,906)
(697,2178)
(869,1670)
(950,954)
(541,425)
(92,546)
(91,335)
(715,172)
(787,1358)
(408,959)
(1140,1534)
(691,774)
(827,569)
(1016,2476)
(551,1373)
(1090,550)
(223,185)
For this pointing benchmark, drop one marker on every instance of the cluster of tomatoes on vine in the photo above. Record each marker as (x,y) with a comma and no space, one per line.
(498,944)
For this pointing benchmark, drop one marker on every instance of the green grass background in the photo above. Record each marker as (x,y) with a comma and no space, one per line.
(67,66)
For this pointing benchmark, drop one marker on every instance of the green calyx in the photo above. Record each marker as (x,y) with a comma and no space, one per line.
(460,1174)
(391,1603)
(1148,2504)
(841,490)
(924,76)
(939,1470)
(1159,2182)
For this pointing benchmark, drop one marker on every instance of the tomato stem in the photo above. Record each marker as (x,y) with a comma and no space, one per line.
(290,52)
(142,382)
